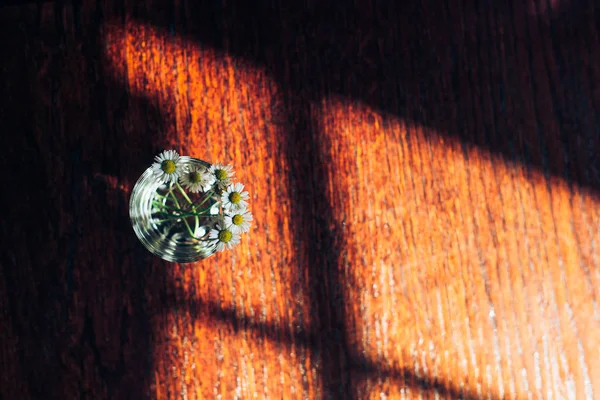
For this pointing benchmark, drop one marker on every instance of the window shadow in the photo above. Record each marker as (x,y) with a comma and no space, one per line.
(356,364)
(517,86)
(486,74)
(73,276)
(490,74)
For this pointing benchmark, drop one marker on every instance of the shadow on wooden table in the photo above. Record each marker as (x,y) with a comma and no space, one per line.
(491,77)
(74,280)
(514,78)
(359,366)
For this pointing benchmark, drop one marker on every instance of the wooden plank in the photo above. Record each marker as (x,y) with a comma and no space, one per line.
(424,180)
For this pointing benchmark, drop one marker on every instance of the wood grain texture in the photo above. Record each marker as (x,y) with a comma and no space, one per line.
(424,180)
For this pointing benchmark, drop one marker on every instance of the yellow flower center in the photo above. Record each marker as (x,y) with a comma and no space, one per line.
(221,174)
(235,197)
(237,219)
(194,176)
(168,166)
(225,236)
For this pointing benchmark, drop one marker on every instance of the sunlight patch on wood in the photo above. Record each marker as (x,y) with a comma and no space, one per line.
(460,270)
(458,263)
(221,109)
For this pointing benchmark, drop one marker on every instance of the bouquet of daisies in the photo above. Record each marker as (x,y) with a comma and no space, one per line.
(200,201)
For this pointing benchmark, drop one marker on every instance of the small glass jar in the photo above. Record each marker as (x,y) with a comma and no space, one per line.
(172,235)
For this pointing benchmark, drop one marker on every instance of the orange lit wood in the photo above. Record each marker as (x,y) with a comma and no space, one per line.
(390,257)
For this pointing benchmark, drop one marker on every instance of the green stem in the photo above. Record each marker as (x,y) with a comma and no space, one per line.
(178,206)
(160,205)
(186,215)
(204,200)
(176,217)
(206,197)
(183,193)
(191,204)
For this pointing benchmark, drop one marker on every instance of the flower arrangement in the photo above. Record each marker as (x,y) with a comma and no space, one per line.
(186,203)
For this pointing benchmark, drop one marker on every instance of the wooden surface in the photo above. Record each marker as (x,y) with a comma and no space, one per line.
(424,178)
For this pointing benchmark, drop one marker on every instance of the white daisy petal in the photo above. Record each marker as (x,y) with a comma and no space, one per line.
(234,198)
(168,166)
(196,179)
(223,238)
(222,174)
(214,234)
(238,221)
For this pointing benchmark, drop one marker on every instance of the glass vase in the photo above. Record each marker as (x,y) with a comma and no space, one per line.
(170,235)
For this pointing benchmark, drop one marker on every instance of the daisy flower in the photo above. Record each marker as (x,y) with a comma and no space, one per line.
(197,179)
(233,199)
(222,174)
(223,238)
(168,166)
(239,221)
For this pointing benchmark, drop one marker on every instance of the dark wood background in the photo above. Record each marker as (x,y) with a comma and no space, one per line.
(425,181)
